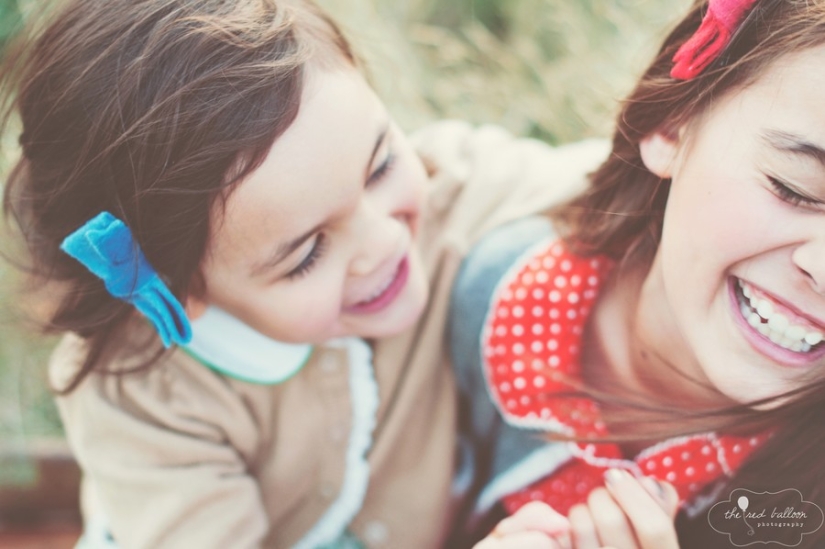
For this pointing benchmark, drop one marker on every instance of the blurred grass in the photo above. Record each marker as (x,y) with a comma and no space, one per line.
(552,69)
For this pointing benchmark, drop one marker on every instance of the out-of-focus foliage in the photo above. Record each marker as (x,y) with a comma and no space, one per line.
(553,69)
(548,68)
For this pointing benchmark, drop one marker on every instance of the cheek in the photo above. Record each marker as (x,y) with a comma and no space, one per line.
(304,313)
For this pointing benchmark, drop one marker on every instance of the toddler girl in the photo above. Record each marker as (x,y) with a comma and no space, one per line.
(669,320)
(222,168)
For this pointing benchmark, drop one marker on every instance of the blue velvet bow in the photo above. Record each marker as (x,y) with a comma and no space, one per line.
(105,246)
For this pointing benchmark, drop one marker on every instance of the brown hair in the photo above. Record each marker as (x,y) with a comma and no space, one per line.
(621,214)
(151,110)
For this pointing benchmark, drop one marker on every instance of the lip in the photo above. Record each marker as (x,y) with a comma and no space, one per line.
(387,297)
(764,345)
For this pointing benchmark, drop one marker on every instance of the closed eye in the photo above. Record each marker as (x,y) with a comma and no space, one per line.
(789,195)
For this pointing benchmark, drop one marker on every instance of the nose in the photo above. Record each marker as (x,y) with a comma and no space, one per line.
(809,259)
(378,236)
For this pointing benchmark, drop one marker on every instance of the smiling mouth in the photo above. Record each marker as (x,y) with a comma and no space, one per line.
(767,317)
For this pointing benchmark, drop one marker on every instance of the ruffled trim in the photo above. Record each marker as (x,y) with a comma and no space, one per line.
(364,397)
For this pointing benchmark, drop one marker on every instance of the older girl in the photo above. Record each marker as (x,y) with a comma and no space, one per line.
(669,321)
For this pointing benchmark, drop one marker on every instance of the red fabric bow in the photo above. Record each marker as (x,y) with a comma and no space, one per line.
(531,345)
(713,35)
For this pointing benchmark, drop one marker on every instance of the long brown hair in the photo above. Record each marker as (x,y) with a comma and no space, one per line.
(621,214)
(151,110)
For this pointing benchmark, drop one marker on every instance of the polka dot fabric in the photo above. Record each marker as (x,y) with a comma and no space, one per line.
(530,347)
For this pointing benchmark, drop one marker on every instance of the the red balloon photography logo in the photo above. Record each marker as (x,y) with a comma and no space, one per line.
(750,518)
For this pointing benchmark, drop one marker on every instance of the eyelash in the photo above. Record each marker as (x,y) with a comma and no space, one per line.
(785,193)
(383,170)
(314,254)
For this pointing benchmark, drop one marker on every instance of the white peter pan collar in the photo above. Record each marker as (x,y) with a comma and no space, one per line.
(227,345)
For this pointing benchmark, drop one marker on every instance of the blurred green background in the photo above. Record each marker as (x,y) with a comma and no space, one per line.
(552,69)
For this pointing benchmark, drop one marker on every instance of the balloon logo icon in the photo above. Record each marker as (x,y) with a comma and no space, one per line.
(743,504)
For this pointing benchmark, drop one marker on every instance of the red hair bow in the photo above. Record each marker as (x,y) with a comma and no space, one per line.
(721,20)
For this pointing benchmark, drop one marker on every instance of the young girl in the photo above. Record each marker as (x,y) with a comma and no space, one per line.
(216,177)
(670,321)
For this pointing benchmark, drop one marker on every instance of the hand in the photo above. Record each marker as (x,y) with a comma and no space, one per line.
(535,526)
(630,513)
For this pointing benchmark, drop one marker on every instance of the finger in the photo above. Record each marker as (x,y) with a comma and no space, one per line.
(611,523)
(582,528)
(651,523)
(535,516)
(520,540)
(664,493)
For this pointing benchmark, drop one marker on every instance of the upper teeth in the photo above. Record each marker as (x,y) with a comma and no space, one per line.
(778,327)
(381,290)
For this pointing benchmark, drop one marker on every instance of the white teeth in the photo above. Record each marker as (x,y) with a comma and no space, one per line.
(764,308)
(380,291)
(762,316)
(778,322)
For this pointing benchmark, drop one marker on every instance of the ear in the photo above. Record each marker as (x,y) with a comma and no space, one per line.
(195,307)
(659,152)
(196,303)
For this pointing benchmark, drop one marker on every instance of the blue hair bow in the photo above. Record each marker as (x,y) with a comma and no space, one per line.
(105,246)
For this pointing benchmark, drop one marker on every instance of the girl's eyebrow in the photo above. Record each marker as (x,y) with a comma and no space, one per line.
(283,250)
(794,144)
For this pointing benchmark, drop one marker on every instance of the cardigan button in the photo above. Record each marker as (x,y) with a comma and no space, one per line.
(376,532)
(327,490)
(329,365)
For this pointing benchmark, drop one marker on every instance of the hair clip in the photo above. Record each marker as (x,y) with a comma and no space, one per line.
(105,246)
(713,35)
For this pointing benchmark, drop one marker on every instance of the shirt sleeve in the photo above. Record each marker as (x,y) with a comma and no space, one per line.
(165,468)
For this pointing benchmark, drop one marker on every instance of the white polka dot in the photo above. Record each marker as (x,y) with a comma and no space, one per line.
(507,295)
(525,400)
(501,331)
(526,279)
(560,281)
(542,277)
(503,312)
(518,349)
(555,328)
(554,361)
(592,280)
(576,280)
(557,250)
(518,330)
(501,350)
(504,387)
(577,330)
(690,471)
(534,264)
(555,296)
(518,366)
(754,441)
(520,383)
(566,265)
(552,344)
(668,461)
(589,294)
(671,476)
(518,311)
(521,294)
(554,313)
(539,382)
(650,466)
(537,365)
(573,349)
(711,467)
(536,346)
(737,448)
(706,450)
(545,412)
(538,311)
(538,329)
(548,262)
(594,263)
(511,403)
(538,293)
(573,298)
(571,314)
(685,456)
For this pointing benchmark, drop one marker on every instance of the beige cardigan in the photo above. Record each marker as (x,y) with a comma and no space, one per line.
(183,456)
